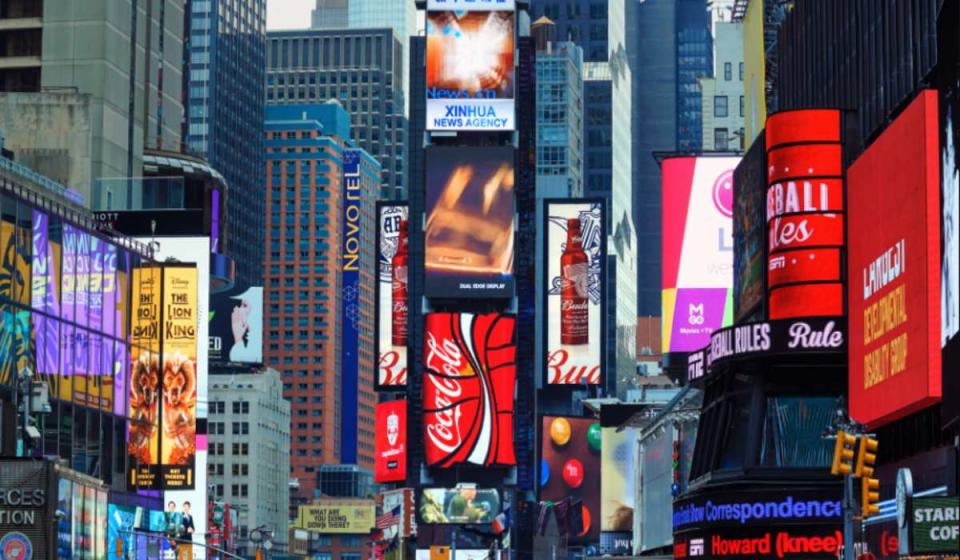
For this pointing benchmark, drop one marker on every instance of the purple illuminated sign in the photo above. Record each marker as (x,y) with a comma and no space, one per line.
(698,312)
(44,296)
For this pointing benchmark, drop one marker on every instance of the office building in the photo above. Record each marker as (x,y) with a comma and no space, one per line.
(583,22)
(85,89)
(305,146)
(597,129)
(249,461)
(360,68)
(330,14)
(722,95)
(224,87)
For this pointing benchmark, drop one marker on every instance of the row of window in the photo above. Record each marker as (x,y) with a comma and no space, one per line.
(728,71)
(236,449)
(237,469)
(239,407)
(239,428)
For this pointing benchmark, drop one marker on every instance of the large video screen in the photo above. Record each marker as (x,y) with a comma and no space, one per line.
(464,505)
(469,229)
(390,446)
(143,442)
(950,248)
(469,372)
(471,82)
(750,234)
(574,247)
(236,326)
(697,249)
(570,468)
(393,234)
(895,350)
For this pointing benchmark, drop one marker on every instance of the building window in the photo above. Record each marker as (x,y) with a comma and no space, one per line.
(720,106)
(728,71)
(241,407)
(720,139)
(741,105)
(741,71)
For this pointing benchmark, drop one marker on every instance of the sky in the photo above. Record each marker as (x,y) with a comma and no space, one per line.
(289,14)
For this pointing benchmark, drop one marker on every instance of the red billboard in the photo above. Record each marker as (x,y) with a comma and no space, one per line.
(390,446)
(894,261)
(805,214)
(469,366)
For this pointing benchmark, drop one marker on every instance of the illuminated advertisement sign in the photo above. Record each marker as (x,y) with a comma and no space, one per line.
(950,246)
(470,74)
(470,223)
(236,326)
(464,505)
(459,554)
(935,524)
(351,225)
(400,501)
(697,249)
(618,458)
(476,5)
(805,220)
(574,247)
(895,353)
(469,366)
(143,444)
(750,509)
(750,233)
(392,300)
(390,452)
(570,467)
(799,543)
(351,517)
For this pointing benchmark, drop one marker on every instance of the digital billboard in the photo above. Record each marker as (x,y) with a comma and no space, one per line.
(236,326)
(950,244)
(750,233)
(337,516)
(464,505)
(470,67)
(469,364)
(697,249)
(390,446)
(805,219)
(570,467)
(393,233)
(894,264)
(143,443)
(618,454)
(469,225)
(574,247)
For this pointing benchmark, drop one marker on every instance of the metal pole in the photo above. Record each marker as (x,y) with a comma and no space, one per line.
(848,513)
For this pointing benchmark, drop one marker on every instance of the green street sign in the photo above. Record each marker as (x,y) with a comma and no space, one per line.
(936,524)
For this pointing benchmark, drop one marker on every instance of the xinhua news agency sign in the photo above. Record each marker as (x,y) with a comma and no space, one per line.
(936,524)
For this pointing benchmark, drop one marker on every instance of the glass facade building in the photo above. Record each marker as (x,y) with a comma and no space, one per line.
(224,84)
(560,120)
(361,69)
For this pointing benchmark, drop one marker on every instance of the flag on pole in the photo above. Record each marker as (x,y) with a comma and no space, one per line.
(501,522)
(389,519)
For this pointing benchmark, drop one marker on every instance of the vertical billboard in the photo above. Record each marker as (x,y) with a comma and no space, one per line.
(236,326)
(469,228)
(351,223)
(950,228)
(574,246)
(390,447)
(697,249)
(895,270)
(143,443)
(392,300)
(470,368)
(470,74)
(750,234)
(617,492)
(805,219)
(570,468)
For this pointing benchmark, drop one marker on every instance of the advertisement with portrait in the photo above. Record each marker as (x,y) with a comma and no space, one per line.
(143,441)
(950,240)
(895,350)
(390,446)
(392,303)
(805,219)
(570,468)
(236,326)
(750,233)
(470,67)
(618,459)
(469,375)
(337,516)
(697,249)
(469,225)
(464,505)
(16,329)
(574,294)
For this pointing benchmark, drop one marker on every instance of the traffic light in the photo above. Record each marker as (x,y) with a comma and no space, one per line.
(843,454)
(870,488)
(866,458)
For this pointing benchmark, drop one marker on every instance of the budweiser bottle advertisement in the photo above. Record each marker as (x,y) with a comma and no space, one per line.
(398,268)
(574,310)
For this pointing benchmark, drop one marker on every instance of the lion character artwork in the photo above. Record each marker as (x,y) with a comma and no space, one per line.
(179,404)
(144,407)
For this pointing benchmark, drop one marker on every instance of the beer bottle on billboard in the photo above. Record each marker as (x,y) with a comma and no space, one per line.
(398,268)
(574,311)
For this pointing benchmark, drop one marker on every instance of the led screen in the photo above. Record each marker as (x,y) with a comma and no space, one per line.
(236,326)
(950,248)
(570,468)
(464,505)
(392,301)
(697,249)
(895,353)
(574,292)
(143,443)
(390,448)
(469,223)
(749,233)
(617,507)
(470,74)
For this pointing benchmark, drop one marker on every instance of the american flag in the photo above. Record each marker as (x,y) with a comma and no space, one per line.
(389,519)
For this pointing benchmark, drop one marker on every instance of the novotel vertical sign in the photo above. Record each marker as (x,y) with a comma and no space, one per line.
(350,288)
(805,214)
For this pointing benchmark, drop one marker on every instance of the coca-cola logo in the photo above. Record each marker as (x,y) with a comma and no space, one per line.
(723,193)
(444,357)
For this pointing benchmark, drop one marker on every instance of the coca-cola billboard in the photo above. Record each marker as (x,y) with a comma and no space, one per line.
(805,214)
(392,301)
(469,366)
(573,291)
(390,448)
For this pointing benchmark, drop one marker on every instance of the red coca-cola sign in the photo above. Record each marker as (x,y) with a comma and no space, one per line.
(390,448)
(468,389)
(805,214)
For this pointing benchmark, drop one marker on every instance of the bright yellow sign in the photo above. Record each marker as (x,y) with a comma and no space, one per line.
(356,517)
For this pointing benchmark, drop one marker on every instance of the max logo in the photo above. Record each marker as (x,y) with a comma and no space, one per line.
(695,314)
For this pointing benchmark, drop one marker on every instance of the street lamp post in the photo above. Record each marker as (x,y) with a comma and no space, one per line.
(261,537)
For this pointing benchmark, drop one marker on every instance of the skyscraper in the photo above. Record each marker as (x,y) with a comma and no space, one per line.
(723,101)
(330,14)
(361,68)
(224,85)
